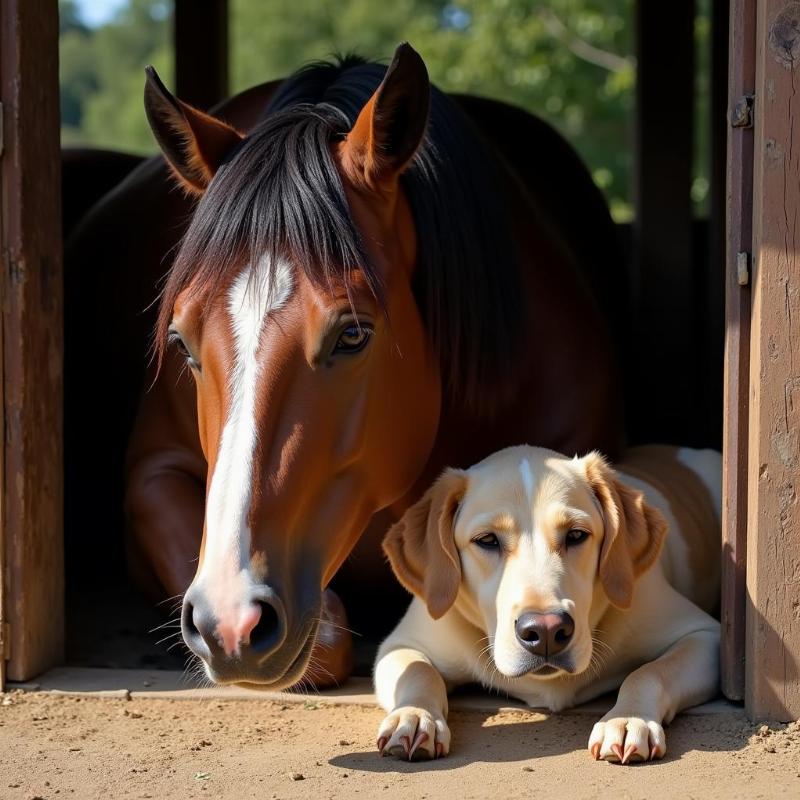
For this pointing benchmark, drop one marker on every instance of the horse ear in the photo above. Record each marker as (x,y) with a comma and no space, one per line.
(391,126)
(193,143)
(421,547)
(634,531)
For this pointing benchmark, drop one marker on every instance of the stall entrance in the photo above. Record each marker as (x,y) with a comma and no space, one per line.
(683,273)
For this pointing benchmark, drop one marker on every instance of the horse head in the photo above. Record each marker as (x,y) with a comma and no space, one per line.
(318,385)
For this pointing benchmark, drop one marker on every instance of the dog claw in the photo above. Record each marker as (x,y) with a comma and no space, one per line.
(406,744)
(616,749)
(629,751)
(422,737)
(439,749)
(654,751)
(596,751)
(381,744)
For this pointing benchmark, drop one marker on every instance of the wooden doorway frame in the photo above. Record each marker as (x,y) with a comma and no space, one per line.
(761,541)
(31,493)
(772,626)
(761,514)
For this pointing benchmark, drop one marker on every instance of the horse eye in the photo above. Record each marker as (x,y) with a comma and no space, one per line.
(353,339)
(488,541)
(176,340)
(576,536)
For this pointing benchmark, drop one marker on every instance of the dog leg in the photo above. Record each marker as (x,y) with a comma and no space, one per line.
(686,675)
(413,691)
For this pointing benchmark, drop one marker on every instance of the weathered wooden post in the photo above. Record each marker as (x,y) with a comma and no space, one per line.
(31,496)
(741,88)
(772,666)
(200,37)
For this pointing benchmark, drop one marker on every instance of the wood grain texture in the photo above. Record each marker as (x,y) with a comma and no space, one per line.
(201,51)
(32,335)
(742,74)
(772,686)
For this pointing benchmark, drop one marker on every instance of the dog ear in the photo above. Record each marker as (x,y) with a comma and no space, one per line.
(421,547)
(193,143)
(634,531)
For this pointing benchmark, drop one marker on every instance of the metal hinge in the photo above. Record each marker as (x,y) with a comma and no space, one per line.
(743,268)
(742,113)
(5,640)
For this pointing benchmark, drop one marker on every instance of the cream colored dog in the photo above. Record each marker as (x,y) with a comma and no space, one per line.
(554,580)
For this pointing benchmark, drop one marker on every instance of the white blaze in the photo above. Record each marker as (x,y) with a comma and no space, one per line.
(224,574)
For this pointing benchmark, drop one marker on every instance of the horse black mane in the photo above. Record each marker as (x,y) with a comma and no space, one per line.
(279,194)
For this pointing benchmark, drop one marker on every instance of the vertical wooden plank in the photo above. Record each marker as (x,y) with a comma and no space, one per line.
(772,671)
(741,85)
(663,227)
(201,51)
(30,244)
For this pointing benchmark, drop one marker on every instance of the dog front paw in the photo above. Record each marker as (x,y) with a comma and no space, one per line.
(414,734)
(624,739)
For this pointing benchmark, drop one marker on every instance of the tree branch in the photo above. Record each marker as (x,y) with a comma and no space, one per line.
(588,52)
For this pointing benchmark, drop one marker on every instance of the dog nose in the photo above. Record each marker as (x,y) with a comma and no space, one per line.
(243,633)
(545,634)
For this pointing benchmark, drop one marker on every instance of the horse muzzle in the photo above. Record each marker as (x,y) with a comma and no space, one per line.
(248,643)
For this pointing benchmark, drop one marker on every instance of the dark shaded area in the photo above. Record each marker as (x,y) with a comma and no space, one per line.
(87,175)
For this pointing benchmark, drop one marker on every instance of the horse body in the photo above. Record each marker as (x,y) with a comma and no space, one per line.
(347,428)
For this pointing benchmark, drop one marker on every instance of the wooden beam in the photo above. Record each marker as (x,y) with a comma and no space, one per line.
(772,679)
(664,286)
(741,86)
(201,51)
(32,334)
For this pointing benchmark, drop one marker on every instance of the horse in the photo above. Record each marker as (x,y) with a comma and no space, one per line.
(374,280)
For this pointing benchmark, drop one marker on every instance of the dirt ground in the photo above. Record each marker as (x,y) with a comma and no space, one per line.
(89,747)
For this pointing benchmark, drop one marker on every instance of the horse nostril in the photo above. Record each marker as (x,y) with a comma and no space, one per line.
(188,623)
(266,631)
(195,640)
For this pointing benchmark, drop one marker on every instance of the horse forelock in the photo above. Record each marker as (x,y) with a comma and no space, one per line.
(279,197)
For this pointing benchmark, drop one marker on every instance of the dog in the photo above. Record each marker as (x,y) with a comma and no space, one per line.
(557,580)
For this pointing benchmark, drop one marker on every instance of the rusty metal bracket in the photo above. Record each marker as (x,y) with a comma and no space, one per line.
(743,268)
(742,113)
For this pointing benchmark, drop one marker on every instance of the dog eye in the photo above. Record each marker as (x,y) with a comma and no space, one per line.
(576,536)
(488,541)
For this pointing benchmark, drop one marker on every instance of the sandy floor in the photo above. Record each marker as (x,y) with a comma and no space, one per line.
(88,747)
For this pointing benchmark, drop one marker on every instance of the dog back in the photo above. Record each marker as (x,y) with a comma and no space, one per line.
(686,486)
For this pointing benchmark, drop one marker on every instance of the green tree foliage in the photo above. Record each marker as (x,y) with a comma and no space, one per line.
(102,74)
(569,61)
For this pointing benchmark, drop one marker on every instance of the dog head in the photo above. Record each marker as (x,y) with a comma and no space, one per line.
(532,547)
